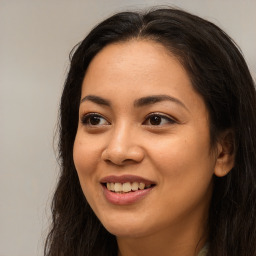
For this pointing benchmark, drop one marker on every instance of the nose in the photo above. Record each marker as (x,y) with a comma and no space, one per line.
(123,147)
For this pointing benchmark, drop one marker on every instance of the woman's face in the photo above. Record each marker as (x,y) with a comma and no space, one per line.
(142,148)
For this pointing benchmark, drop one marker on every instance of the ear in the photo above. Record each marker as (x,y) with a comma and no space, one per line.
(225,154)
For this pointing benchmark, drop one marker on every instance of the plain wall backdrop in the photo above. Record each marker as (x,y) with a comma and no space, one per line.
(35,40)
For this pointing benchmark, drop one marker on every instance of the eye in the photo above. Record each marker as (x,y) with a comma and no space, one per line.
(158,120)
(93,119)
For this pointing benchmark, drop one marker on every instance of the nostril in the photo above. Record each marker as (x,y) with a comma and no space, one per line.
(128,155)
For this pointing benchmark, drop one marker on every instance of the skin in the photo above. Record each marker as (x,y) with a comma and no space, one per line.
(175,153)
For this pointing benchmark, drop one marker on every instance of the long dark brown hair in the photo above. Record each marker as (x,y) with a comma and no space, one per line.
(220,75)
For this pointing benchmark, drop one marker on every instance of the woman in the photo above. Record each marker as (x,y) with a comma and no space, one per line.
(157,142)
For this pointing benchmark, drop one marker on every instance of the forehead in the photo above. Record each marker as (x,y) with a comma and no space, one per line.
(134,62)
(138,68)
(135,54)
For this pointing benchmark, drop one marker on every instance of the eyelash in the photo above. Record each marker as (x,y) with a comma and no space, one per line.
(168,119)
(85,120)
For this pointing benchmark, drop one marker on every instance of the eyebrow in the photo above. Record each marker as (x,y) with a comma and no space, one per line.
(144,101)
(96,99)
(149,100)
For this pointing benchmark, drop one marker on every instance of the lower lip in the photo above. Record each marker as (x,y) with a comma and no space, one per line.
(125,198)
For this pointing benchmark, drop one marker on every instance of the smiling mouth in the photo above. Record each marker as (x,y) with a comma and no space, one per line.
(126,187)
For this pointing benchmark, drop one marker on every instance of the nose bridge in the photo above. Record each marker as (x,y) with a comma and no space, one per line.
(120,139)
(123,144)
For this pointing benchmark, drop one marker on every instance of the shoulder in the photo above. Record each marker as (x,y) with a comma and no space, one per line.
(204,251)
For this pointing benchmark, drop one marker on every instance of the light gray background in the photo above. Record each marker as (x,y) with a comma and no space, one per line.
(35,40)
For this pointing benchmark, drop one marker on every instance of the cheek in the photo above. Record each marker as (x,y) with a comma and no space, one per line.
(185,170)
(86,157)
(184,157)
(85,153)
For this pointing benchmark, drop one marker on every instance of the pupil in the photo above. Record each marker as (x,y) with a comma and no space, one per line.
(155,120)
(94,120)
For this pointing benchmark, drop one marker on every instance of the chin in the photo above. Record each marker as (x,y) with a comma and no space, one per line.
(126,232)
(130,228)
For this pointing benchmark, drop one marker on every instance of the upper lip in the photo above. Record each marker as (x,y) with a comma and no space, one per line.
(126,178)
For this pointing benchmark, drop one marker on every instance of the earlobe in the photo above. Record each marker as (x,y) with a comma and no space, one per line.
(225,154)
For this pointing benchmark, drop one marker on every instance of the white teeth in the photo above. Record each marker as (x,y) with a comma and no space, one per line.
(112,186)
(141,186)
(118,187)
(135,186)
(126,187)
